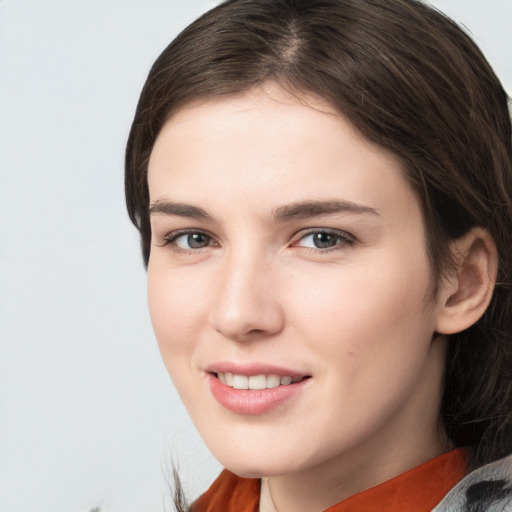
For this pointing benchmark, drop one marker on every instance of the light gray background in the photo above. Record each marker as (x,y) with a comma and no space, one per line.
(88,416)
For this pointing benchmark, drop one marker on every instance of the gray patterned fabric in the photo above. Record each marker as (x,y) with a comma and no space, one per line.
(487,489)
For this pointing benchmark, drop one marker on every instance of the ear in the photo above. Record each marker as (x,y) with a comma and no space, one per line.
(466,293)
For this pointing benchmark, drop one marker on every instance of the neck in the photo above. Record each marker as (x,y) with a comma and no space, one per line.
(320,488)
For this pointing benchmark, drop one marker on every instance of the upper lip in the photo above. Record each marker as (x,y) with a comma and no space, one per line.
(250,369)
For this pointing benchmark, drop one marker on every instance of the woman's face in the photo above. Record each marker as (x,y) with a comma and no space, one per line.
(286,247)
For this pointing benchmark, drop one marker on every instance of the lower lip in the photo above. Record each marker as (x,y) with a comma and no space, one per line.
(253,402)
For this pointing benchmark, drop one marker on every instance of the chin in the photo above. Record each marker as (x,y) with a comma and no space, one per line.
(259,463)
(259,471)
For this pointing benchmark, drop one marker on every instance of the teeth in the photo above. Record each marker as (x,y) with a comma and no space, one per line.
(256,381)
(240,382)
(273,381)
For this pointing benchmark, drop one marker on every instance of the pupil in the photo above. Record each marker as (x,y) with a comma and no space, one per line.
(324,240)
(197,240)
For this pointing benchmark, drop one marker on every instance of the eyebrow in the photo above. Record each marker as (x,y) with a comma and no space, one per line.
(178,210)
(309,209)
(293,211)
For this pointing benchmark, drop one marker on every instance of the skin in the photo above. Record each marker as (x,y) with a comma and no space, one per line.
(356,315)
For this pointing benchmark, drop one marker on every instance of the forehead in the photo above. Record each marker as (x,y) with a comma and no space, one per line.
(269,145)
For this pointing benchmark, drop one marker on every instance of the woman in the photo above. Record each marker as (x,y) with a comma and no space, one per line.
(323,191)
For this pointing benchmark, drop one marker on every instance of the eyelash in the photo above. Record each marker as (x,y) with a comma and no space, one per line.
(171,238)
(344,240)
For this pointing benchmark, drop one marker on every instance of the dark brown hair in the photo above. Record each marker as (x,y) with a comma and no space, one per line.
(410,80)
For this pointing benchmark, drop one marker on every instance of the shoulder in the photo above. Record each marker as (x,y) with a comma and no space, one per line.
(487,489)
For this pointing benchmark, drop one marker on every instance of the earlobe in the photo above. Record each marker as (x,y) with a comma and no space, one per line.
(468,291)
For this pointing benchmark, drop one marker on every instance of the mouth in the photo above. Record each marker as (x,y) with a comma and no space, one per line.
(256,382)
(255,388)
(255,394)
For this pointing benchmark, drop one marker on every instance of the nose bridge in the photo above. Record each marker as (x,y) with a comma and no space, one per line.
(246,302)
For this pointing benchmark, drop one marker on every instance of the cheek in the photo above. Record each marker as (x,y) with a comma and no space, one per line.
(370,335)
(373,310)
(177,309)
(176,305)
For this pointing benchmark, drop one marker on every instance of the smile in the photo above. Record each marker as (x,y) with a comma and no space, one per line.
(256,382)
(254,394)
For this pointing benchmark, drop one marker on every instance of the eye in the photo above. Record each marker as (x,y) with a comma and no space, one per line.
(189,240)
(325,240)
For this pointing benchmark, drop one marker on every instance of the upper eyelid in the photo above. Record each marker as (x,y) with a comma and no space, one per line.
(171,236)
(346,240)
(333,231)
(188,231)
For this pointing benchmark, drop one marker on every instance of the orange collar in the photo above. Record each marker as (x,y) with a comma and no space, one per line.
(417,490)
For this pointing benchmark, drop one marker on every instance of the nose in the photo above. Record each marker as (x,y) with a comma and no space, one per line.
(246,304)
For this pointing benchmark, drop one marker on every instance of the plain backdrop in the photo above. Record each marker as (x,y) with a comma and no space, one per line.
(88,415)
